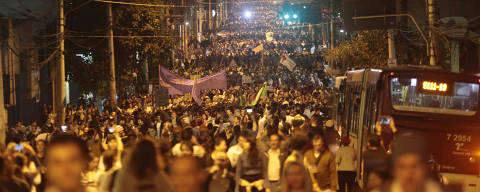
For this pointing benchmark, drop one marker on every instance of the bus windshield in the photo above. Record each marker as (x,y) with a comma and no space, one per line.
(463,101)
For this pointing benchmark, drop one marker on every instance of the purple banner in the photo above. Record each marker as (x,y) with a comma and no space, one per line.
(178,85)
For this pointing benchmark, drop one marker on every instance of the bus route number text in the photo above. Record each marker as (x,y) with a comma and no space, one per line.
(459,138)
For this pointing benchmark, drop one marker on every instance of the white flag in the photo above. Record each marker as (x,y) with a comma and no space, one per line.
(269,36)
(287,62)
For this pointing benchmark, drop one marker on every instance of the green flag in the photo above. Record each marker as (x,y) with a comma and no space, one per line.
(242,101)
(261,93)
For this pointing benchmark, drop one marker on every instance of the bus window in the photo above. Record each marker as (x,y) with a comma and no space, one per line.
(464,100)
(352,106)
(370,108)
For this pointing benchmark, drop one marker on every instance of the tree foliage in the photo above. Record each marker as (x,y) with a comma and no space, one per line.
(369,49)
(149,22)
(130,53)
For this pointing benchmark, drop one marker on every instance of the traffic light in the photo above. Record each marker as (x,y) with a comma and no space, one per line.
(324,13)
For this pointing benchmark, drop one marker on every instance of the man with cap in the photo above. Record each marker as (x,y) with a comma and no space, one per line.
(409,160)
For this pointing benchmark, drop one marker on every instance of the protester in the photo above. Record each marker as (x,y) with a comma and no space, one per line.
(295,178)
(250,168)
(321,165)
(345,158)
(410,172)
(144,170)
(187,175)
(66,158)
(376,164)
(274,157)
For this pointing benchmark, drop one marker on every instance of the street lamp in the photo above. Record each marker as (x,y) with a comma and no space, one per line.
(295,16)
(286,16)
(247,14)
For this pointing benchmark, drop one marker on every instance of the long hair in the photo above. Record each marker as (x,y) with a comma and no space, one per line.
(143,160)
(307,183)
(253,154)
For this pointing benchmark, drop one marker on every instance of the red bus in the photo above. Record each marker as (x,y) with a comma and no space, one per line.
(441,106)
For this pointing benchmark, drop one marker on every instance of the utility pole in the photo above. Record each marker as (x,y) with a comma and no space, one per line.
(113,88)
(323,33)
(173,49)
(210,19)
(332,30)
(431,23)
(60,80)
(3,119)
(392,58)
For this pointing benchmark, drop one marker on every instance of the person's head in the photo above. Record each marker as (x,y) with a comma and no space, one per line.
(40,146)
(317,142)
(242,138)
(409,159)
(93,164)
(65,159)
(204,132)
(298,142)
(220,144)
(345,141)
(144,160)
(186,134)
(112,142)
(187,174)
(295,177)
(237,120)
(274,141)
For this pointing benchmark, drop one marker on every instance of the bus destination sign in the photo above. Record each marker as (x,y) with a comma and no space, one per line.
(435,87)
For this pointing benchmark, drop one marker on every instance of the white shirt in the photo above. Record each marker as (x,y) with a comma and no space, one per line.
(274,165)
(289,119)
(198,151)
(233,153)
(261,126)
(345,158)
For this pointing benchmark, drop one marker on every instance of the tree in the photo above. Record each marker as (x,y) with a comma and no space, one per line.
(130,53)
(86,75)
(369,49)
(153,47)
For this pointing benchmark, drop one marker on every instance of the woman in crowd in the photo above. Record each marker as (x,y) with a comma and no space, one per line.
(143,171)
(250,168)
(221,176)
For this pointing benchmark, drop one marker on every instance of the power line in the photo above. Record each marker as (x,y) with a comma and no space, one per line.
(120,36)
(49,58)
(49,35)
(141,4)
(84,46)
(93,31)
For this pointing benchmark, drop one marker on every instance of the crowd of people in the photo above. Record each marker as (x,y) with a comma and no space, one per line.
(284,142)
